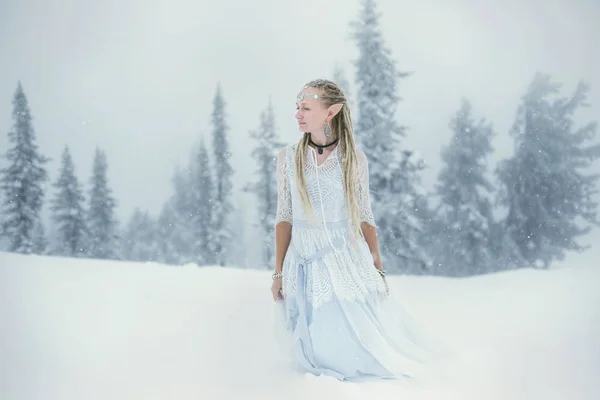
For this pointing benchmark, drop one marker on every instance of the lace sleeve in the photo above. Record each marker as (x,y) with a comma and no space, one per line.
(365,212)
(284,194)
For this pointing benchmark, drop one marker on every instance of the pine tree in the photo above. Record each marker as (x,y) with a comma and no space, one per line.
(40,241)
(377,131)
(3,237)
(201,186)
(139,241)
(507,254)
(545,187)
(435,233)
(176,222)
(22,180)
(222,184)
(401,222)
(67,210)
(101,219)
(465,194)
(265,185)
(166,229)
(393,174)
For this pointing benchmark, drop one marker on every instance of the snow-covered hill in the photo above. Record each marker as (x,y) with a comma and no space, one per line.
(85,329)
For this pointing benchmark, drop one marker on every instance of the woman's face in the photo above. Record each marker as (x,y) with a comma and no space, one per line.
(311,113)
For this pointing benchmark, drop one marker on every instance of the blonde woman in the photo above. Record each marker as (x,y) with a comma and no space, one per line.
(328,275)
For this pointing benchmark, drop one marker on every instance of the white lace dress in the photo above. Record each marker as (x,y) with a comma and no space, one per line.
(334,306)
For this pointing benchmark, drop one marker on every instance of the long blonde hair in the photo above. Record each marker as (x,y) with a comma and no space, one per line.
(341,127)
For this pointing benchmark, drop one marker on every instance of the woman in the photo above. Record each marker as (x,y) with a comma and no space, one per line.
(328,275)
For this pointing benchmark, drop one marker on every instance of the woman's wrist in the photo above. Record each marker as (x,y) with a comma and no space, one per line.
(376,260)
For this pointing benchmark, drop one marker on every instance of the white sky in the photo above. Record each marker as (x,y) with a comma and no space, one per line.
(137,77)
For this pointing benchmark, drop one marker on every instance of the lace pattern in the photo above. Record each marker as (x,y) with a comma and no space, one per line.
(325,187)
(349,270)
(365,211)
(349,273)
(284,194)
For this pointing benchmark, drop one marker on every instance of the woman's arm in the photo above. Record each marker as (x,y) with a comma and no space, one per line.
(283,236)
(370,234)
(367,219)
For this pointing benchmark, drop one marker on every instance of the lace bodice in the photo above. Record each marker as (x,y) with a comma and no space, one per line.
(347,270)
(325,187)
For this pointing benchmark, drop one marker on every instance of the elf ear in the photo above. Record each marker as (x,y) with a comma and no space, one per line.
(334,109)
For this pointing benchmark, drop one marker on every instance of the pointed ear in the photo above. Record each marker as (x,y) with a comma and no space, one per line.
(334,109)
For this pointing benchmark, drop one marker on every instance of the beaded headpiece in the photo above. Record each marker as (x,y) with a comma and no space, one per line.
(302,95)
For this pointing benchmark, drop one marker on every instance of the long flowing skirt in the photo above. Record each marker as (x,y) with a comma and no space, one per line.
(337,315)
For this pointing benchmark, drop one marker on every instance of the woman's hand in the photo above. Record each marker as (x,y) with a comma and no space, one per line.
(387,288)
(382,274)
(276,289)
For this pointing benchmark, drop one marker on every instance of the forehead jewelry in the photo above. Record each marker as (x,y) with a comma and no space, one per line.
(302,96)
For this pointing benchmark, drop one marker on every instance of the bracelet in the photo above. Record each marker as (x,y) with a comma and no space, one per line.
(277,274)
(382,272)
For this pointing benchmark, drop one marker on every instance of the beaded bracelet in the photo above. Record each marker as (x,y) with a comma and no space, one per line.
(277,274)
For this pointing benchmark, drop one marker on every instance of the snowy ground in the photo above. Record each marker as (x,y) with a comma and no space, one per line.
(82,329)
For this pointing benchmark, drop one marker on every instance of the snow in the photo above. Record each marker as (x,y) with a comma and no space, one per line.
(96,329)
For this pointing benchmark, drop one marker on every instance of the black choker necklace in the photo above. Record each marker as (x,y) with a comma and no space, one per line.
(320,148)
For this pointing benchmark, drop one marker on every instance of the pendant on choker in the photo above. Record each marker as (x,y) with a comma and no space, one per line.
(320,148)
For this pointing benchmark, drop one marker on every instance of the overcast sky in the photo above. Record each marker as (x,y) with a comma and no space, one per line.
(137,77)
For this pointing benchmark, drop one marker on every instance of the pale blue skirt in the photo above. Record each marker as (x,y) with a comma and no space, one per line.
(361,338)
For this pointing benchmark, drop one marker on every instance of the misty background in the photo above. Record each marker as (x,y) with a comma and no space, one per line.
(137,79)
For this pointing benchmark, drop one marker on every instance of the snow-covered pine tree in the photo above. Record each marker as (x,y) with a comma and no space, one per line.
(67,211)
(404,218)
(22,179)
(223,188)
(139,241)
(265,185)
(40,241)
(379,135)
(101,221)
(166,230)
(434,235)
(507,254)
(201,187)
(546,188)
(1,219)
(376,130)
(465,194)
(176,222)
(3,238)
